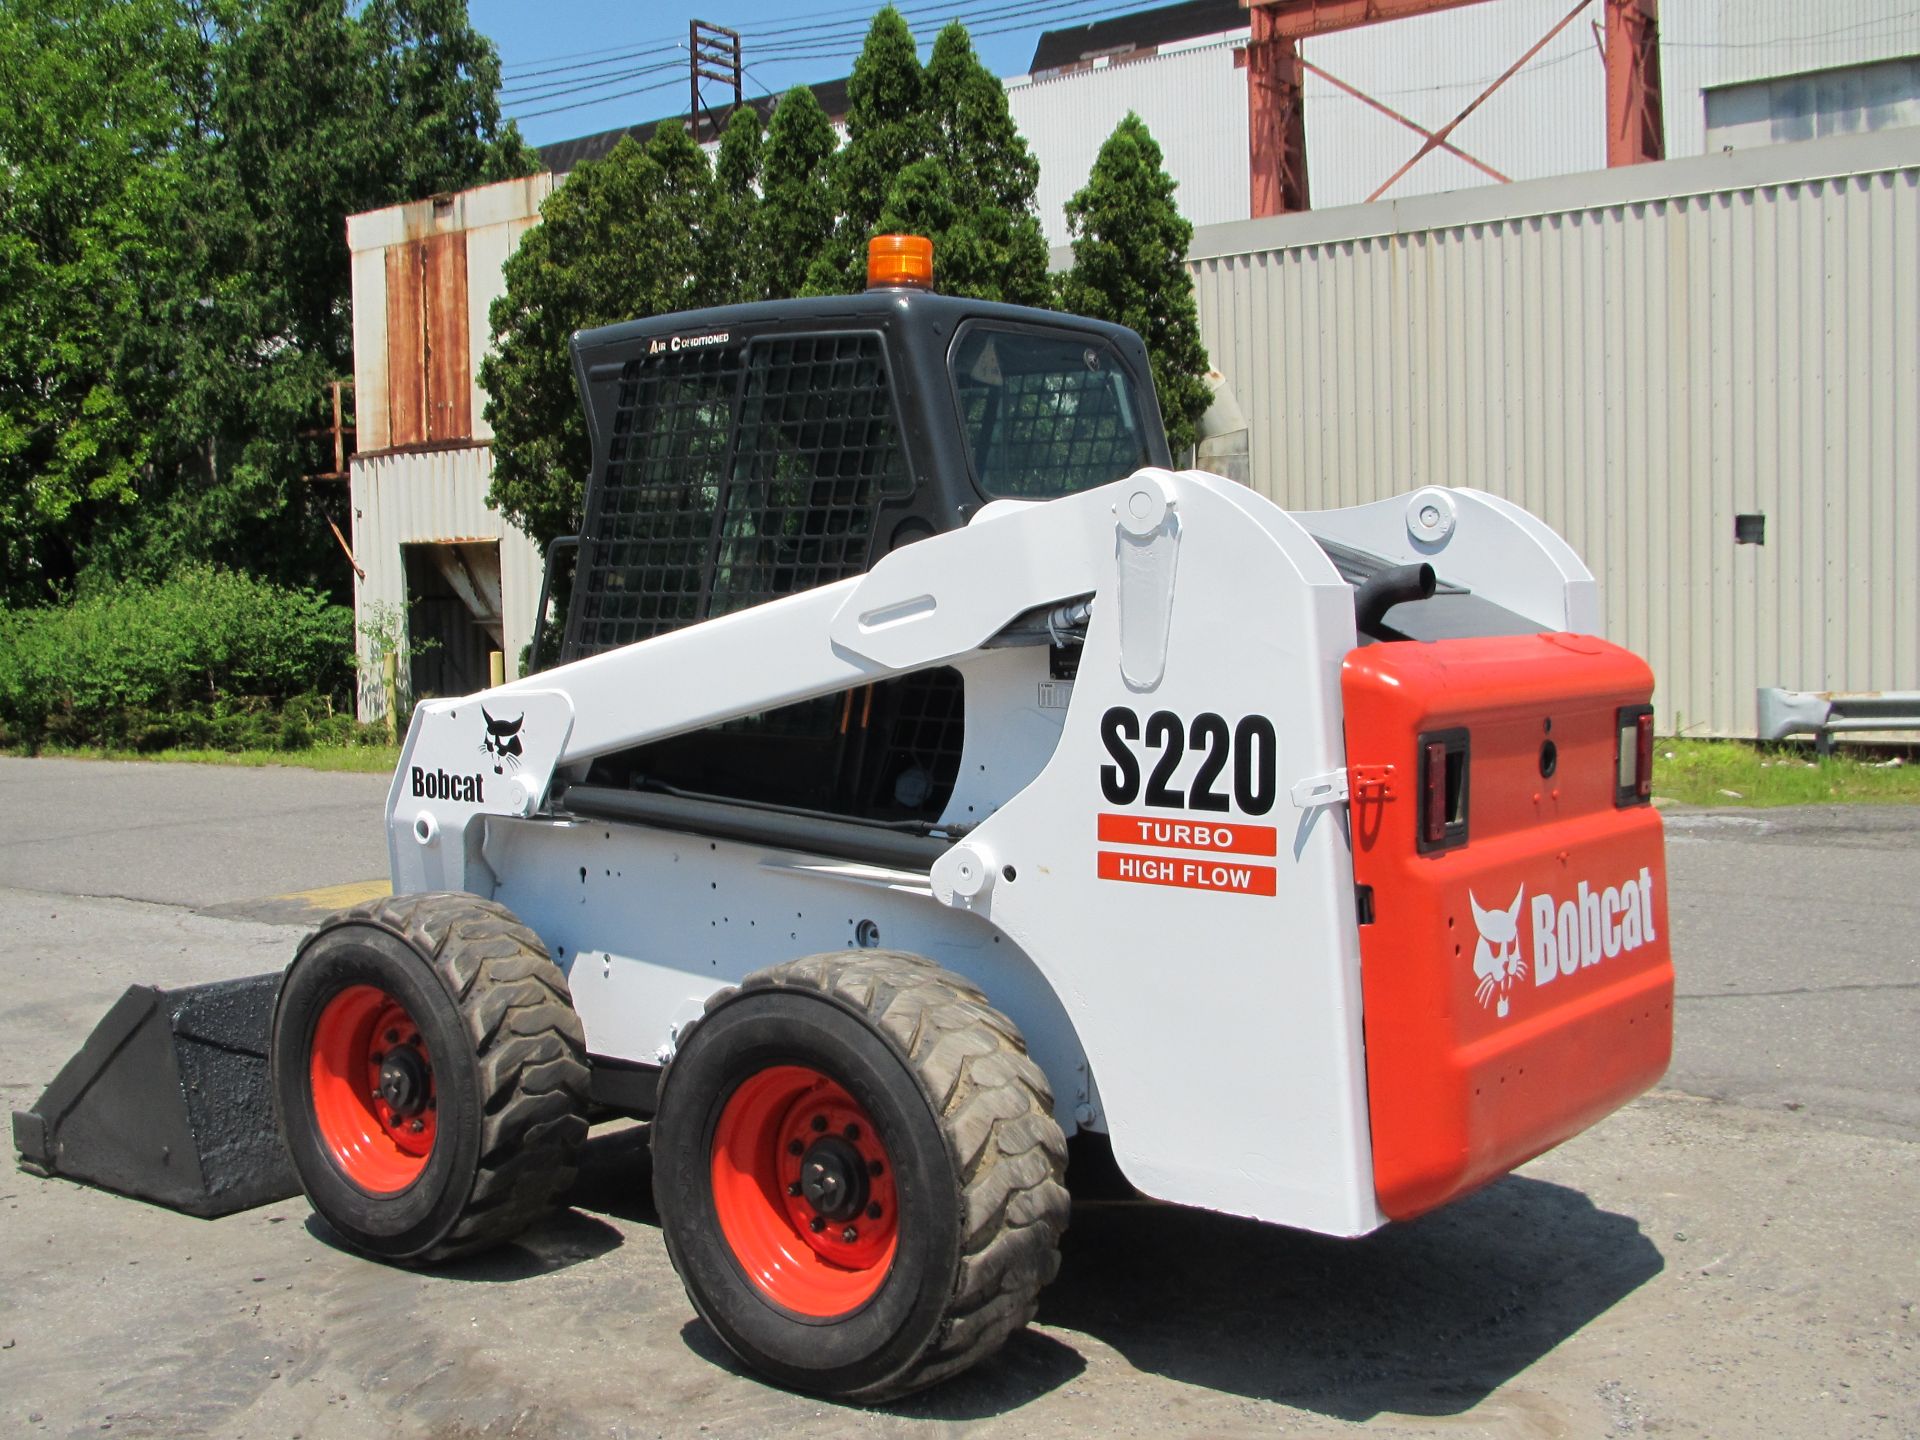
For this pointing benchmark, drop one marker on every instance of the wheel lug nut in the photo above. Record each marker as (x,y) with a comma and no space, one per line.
(873,1212)
(417,1126)
(794,1188)
(794,1147)
(817,1224)
(849,1234)
(852,1132)
(819,1123)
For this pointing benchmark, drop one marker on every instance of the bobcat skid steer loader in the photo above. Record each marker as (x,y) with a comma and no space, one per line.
(932,772)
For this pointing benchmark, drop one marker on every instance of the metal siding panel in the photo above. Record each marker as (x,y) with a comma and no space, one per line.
(369,270)
(434,495)
(1193,100)
(1637,372)
(1544,121)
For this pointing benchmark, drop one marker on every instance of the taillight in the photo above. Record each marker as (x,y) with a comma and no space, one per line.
(1443,790)
(1633,755)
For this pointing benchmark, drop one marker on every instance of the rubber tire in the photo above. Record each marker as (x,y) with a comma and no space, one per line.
(510,1070)
(979,1164)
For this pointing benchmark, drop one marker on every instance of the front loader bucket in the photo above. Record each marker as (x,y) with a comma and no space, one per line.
(169,1101)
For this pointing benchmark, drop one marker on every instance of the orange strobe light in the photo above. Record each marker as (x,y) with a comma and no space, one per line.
(900,260)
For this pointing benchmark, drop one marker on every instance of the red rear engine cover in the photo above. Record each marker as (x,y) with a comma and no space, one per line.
(1518,986)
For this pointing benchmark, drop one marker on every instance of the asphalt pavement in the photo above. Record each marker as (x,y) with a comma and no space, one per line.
(1736,1254)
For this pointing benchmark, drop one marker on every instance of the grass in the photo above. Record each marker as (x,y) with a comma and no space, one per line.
(357,759)
(1739,772)
(1687,772)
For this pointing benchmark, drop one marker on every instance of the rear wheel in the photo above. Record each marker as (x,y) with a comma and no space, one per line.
(858,1174)
(429,1076)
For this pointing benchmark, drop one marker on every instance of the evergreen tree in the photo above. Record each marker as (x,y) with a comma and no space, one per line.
(624,238)
(686,263)
(733,205)
(795,219)
(888,129)
(1130,266)
(992,246)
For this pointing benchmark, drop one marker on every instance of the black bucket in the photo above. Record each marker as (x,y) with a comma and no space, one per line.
(169,1101)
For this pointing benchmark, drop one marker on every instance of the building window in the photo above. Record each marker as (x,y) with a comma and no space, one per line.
(1843,101)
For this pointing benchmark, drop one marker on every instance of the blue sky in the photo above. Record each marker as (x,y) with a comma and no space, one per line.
(614,62)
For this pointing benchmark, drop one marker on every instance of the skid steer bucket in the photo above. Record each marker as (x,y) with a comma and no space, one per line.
(169,1101)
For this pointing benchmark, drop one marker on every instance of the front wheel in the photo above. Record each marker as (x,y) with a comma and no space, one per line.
(858,1174)
(429,1076)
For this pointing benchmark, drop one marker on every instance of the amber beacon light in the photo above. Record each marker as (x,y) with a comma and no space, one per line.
(900,260)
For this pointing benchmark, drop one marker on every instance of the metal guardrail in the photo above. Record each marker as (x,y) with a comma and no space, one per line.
(1823,713)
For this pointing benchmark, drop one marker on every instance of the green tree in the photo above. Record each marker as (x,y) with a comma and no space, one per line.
(734,204)
(89,186)
(624,237)
(888,129)
(991,246)
(1130,266)
(794,221)
(176,178)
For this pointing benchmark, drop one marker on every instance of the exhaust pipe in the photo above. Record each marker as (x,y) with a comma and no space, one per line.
(1383,590)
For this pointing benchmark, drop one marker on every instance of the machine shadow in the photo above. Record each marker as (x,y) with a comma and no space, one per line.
(1426,1318)
(556,1243)
(1026,1368)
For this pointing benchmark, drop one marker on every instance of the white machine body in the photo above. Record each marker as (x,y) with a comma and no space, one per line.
(1154,873)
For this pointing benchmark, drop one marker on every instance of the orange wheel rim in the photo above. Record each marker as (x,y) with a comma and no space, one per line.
(804,1190)
(374,1100)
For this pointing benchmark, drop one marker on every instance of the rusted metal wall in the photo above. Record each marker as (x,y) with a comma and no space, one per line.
(1637,356)
(424,275)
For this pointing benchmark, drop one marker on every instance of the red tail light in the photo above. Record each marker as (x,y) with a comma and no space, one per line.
(1443,790)
(1633,755)
(1434,822)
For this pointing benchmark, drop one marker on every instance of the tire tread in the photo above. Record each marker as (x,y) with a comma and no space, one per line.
(996,1112)
(529,1048)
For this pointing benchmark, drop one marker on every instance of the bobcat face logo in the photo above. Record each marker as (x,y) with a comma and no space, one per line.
(1497,962)
(502,741)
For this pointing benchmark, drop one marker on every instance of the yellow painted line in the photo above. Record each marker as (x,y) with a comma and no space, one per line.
(336,897)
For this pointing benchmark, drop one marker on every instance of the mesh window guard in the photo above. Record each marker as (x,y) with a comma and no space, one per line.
(699,514)
(1044,416)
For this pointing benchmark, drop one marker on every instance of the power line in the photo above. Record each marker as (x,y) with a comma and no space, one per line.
(598,58)
(830,39)
(583,104)
(554,92)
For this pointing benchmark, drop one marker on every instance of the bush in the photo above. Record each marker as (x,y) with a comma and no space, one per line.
(206,658)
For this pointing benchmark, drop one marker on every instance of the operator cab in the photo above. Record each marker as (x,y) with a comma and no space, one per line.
(748,452)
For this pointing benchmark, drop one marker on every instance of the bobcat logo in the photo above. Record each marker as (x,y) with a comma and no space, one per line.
(1497,962)
(502,741)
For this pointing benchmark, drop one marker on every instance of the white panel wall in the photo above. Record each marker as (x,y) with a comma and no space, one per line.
(1193,100)
(1704,43)
(1549,119)
(1637,356)
(433,496)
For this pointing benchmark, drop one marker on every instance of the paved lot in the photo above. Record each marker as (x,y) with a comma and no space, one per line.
(1737,1254)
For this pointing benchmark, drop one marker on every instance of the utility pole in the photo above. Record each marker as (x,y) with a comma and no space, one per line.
(713,53)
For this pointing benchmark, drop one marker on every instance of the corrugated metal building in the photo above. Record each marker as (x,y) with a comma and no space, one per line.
(1548,120)
(460,575)
(1638,356)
